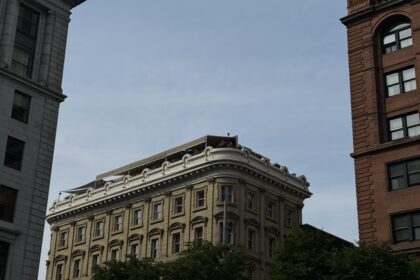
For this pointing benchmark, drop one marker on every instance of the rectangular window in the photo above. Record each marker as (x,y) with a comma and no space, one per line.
(62,241)
(95,261)
(118,223)
(271,246)
(99,228)
(404,126)
(7,203)
(59,272)
(227,192)
(137,217)
(406,227)
(178,205)
(290,217)
(154,248)
(135,251)
(401,81)
(198,234)
(200,198)
(250,200)
(404,174)
(25,42)
(115,254)
(270,209)
(77,268)
(251,239)
(176,243)
(14,153)
(4,254)
(20,109)
(229,233)
(157,211)
(80,234)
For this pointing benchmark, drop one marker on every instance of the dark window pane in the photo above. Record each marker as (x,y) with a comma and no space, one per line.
(402,235)
(4,253)
(400,222)
(21,104)
(396,170)
(413,166)
(7,203)
(14,153)
(398,183)
(417,233)
(415,220)
(414,179)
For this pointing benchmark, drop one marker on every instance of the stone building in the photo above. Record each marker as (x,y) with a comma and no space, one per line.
(384,60)
(156,206)
(33,37)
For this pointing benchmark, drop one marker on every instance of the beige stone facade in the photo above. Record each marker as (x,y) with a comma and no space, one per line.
(158,205)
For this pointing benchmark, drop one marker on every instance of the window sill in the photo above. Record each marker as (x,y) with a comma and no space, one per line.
(386,146)
(79,242)
(117,232)
(136,226)
(156,221)
(97,237)
(252,211)
(175,215)
(201,208)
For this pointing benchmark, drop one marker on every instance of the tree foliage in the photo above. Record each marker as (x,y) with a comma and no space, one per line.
(308,255)
(201,261)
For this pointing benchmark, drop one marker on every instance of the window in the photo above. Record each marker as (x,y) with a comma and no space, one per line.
(154,248)
(14,153)
(176,243)
(227,191)
(80,234)
(404,126)
(118,223)
(115,254)
(25,42)
(290,217)
(229,233)
(396,37)
(77,268)
(99,228)
(20,109)
(250,200)
(137,217)
(401,81)
(62,241)
(58,272)
(178,205)
(251,239)
(157,211)
(7,203)
(135,250)
(406,227)
(198,234)
(95,260)
(4,254)
(404,174)
(199,198)
(270,209)
(271,246)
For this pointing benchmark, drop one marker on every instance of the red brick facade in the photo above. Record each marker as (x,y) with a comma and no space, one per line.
(372,110)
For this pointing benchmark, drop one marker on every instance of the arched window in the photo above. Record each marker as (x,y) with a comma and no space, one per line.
(397,36)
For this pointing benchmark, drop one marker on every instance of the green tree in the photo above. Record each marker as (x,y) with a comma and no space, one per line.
(132,269)
(204,261)
(317,255)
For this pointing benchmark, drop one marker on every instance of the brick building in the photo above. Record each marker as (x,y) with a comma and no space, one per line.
(156,206)
(33,37)
(384,61)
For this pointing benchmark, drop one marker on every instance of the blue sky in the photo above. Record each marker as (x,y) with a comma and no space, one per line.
(144,76)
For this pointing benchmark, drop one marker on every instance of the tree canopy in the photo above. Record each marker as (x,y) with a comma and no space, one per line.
(201,261)
(307,255)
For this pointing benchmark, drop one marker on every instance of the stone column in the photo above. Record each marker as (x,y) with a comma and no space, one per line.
(8,33)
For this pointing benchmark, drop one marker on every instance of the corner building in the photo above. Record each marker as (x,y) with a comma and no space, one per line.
(156,206)
(384,60)
(33,37)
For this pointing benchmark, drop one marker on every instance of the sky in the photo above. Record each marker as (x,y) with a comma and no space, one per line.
(144,76)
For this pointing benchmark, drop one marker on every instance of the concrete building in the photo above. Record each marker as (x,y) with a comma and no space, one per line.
(384,60)
(156,206)
(32,45)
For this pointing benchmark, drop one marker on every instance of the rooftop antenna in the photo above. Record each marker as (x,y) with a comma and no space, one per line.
(228,134)
(59,194)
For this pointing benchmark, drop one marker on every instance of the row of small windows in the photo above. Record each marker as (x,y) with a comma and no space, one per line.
(155,246)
